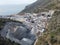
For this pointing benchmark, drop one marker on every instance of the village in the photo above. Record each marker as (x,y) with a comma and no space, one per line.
(27,32)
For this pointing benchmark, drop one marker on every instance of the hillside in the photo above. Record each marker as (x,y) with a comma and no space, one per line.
(36,6)
(2,40)
(52,34)
(41,5)
(55,5)
(6,42)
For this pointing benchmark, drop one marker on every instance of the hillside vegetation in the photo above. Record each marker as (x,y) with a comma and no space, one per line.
(52,34)
(54,5)
(3,22)
(6,42)
(2,40)
(35,7)
(41,5)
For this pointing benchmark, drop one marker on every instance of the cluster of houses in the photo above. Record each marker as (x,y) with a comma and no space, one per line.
(32,26)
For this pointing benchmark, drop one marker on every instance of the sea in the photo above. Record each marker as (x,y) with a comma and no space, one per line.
(11,9)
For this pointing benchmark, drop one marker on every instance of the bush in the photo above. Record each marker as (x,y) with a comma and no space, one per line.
(53,40)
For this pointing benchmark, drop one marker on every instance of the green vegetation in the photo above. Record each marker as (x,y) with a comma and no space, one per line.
(37,10)
(6,42)
(54,5)
(3,22)
(2,40)
(52,35)
(51,6)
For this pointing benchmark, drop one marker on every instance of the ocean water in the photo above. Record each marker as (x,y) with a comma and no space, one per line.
(11,9)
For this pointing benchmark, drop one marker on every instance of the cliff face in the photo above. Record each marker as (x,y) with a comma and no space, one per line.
(38,4)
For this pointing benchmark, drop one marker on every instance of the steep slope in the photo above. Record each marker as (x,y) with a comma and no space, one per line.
(41,5)
(2,40)
(54,5)
(36,5)
(52,34)
(6,42)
